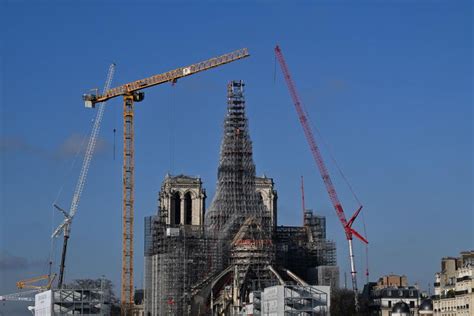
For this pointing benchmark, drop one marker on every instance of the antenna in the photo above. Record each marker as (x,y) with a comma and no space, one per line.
(302,197)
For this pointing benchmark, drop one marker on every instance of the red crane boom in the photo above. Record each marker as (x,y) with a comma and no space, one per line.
(347,225)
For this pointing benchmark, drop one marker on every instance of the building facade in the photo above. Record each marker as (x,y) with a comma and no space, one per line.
(454,286)
(389,291)
(265,188)
(182,200)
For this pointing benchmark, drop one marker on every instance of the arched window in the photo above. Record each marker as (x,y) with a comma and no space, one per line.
(188,209)
(260,198)
(175,209)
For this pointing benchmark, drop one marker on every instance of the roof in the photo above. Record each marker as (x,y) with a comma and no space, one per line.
(426,305)
(401,307)
(396,292)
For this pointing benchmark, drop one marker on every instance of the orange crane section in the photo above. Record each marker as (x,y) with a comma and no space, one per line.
(131,93)
(27,284)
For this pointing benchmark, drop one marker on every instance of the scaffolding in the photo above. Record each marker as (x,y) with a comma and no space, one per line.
(236,197)
(176,259)
(310,246)
(238,218)
(73,301)
(296,300)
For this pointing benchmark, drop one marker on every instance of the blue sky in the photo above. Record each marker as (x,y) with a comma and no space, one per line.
(388,83)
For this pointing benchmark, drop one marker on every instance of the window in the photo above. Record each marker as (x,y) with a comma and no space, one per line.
(175,209)
(188,209)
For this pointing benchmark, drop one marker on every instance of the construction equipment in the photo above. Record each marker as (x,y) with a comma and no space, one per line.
(66,224)
(303,117)
(29,296)
(26,296)
(131,93)
(27,284)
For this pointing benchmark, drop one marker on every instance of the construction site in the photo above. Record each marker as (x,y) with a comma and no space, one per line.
(214,261)
(229,259)
(236,158)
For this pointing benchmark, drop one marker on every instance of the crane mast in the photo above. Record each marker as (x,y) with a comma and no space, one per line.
(65,226)
(131,93)
(347,225)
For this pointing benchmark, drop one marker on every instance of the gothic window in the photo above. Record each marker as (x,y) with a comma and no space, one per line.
(188,209)
(175,209)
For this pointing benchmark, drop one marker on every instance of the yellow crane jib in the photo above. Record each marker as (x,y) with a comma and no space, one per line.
(170,76)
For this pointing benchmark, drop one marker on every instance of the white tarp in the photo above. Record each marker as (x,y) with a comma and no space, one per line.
(43,303)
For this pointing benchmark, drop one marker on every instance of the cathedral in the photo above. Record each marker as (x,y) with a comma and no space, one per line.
(213,261)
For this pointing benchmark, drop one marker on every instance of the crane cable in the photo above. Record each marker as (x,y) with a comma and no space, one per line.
(115,119)
(326,144)
(333,159)
(366,249)
(171,128)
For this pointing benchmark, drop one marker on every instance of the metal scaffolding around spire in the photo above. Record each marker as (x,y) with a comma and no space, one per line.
(236,197)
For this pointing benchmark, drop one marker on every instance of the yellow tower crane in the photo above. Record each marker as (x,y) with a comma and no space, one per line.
(131,93)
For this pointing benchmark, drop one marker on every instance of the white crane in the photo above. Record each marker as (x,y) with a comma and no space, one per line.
(66,224)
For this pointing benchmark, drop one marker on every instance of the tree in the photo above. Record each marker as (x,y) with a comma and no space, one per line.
(342,303)
(450,294)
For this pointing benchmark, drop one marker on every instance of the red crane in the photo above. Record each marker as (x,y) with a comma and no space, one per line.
(346,224)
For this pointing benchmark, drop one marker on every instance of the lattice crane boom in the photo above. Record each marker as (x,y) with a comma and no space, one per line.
(347,225)
(87,158)
(169,76)
(65,226)
(131,93)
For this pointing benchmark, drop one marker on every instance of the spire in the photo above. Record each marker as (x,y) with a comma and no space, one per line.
(236,197)
(237,218)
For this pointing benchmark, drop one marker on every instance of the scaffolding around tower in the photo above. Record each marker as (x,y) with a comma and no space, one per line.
(215,261)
